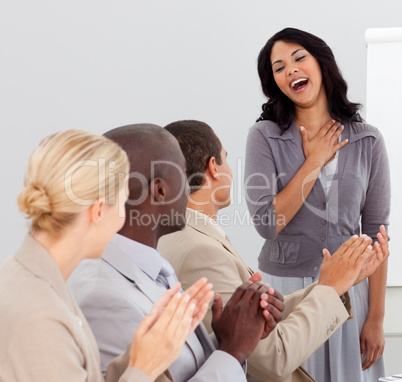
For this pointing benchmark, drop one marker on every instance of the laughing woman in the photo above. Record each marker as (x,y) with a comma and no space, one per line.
(74,212)
(316,175)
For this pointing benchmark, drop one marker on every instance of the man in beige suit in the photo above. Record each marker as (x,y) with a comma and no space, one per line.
(202,249)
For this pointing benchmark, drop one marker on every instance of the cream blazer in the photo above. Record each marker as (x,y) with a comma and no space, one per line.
(310,317)
(43,334)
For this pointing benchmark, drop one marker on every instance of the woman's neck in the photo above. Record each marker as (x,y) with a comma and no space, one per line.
(312,118)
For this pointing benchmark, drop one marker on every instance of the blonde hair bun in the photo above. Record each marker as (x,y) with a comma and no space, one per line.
(66,174)
(34,202)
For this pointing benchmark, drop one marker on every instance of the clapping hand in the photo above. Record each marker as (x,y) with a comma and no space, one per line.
(161,335)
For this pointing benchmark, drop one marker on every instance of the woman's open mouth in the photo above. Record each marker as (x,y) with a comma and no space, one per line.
(299,84)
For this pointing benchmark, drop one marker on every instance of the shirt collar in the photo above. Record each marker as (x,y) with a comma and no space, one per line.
(148,259)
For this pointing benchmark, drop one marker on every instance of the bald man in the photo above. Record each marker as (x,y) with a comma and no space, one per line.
(118,290)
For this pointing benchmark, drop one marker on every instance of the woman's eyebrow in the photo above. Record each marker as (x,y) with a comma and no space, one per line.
(296,51)
(291,55)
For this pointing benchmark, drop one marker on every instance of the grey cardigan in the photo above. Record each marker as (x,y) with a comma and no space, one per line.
(357,202)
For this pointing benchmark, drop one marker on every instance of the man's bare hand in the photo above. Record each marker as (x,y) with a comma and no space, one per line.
(241,324)
(271,303)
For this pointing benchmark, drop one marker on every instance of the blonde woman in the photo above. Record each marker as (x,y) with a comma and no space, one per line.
(74,195)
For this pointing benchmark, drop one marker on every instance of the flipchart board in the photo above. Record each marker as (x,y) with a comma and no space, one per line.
(384,110)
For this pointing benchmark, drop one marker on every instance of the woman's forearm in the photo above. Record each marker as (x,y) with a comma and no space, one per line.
(377,286)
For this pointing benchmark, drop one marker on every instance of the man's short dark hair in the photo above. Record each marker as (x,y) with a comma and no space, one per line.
(199,144)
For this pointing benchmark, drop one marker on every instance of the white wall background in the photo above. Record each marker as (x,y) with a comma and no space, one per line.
(96,65)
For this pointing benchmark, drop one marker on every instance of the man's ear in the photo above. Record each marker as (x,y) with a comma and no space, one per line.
(158,190)
(95,211)
(212,169)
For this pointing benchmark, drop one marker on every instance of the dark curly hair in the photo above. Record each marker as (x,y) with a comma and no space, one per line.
(199,144)
(279,107)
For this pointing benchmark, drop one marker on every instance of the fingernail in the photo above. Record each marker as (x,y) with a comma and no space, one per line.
(178,295)
(302,128)
(370,247)
(355,236)
(264,304)
(186,298)
(367,238)
(192,306)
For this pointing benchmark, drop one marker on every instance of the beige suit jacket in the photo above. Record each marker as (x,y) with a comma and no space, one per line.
(310,317)
(43,334)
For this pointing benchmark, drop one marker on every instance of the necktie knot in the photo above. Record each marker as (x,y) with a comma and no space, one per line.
(166,277)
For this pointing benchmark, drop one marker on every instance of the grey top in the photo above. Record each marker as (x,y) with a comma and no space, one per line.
(357,202)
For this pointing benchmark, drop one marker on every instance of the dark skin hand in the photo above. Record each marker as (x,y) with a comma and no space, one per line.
(240,325)
(271,303)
